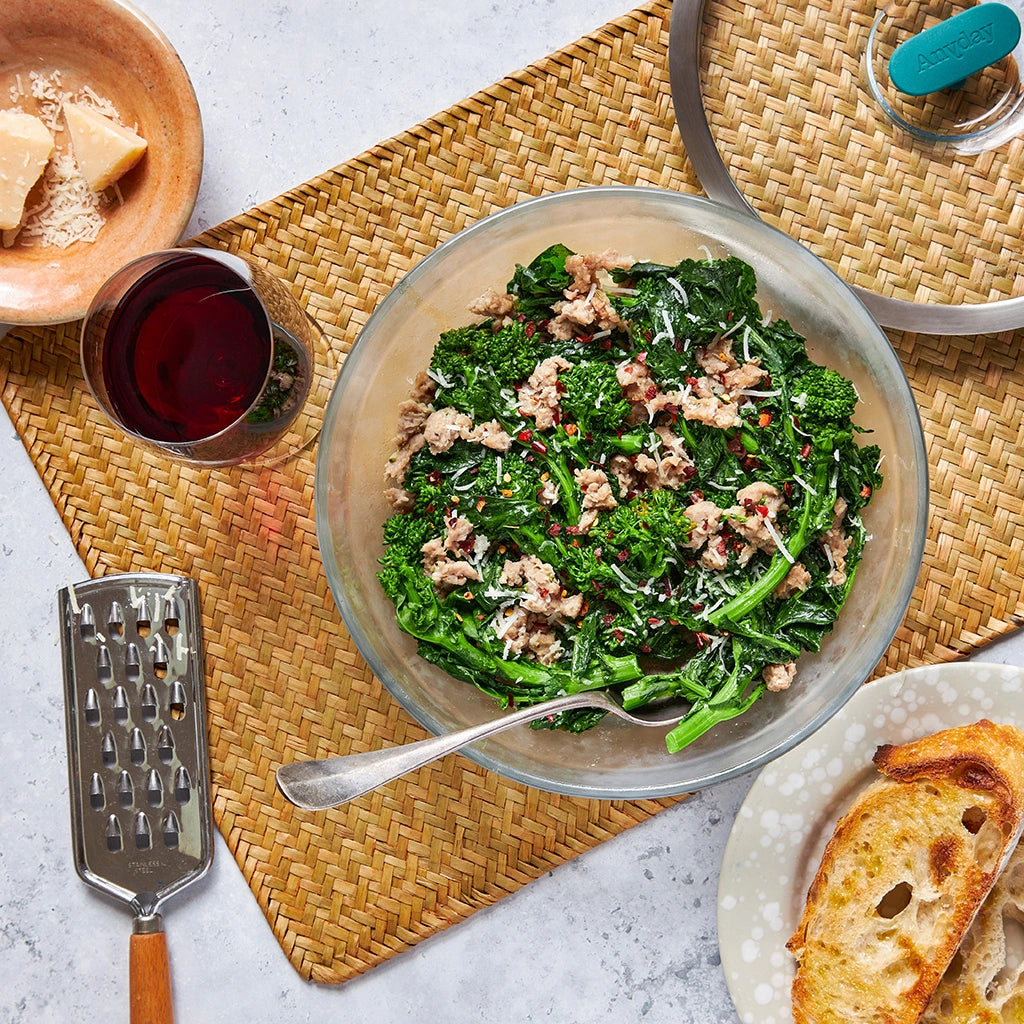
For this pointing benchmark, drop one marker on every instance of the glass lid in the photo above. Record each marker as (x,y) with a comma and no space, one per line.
(888,138)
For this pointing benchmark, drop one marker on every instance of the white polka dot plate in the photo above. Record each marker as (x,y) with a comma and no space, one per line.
(788,816)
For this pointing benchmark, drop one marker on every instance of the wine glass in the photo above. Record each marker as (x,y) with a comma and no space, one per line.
(205,357)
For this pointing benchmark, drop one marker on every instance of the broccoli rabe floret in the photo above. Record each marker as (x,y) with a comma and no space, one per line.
(823,394)
(592,397)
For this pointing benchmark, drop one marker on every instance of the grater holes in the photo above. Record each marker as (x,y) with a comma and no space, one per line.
(161,657)
(104,669)
(132,663)
(165,745)
(171,831)
(125,789)
(108,750)
(172,616)
(178,701)
(143,618)
(115,620)
(182,786)
(115,841)
(97,798)
(87,622)
(92,707)
(143,832)
(154,788)
(148,703)
(120,704)
(137,746)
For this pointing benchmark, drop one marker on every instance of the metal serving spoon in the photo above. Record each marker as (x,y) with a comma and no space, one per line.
(317,785)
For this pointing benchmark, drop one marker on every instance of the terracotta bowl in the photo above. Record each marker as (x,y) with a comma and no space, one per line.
(123,57)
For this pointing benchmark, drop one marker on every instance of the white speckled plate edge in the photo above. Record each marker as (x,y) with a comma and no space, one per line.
(788,816)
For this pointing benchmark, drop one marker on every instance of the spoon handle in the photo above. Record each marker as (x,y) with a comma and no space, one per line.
(317,785)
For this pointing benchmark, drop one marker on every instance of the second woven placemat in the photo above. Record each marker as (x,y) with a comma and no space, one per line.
(346,889)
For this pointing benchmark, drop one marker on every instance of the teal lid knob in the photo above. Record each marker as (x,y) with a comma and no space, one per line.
(943,56)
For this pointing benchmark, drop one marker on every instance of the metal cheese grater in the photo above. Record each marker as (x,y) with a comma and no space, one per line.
(137,756)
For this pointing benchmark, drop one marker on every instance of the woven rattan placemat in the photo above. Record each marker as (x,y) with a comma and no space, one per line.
(787,98)
(346,889)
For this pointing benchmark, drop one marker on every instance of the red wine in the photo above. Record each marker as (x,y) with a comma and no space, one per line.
(187,351)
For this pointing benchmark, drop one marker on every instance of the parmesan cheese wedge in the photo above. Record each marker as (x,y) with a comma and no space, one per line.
(104,149)
(26,146)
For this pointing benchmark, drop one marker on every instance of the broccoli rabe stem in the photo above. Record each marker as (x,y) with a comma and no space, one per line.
(744,602)
(706,715)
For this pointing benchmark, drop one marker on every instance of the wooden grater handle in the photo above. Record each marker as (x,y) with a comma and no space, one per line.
(149,973)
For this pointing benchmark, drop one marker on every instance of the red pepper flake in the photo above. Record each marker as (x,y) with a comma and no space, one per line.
(689,471)
(619,635)
(651,393)
(653,621)
(720,546)
(539,446)
(468,595)
(648,335)
(525,435)
(728,316)
(606,344)
(697,496)
(531,329)
(805,451)
(560,387)
(623,555)
(762,511)
(764,419)
(865,491)
(735,445)
(641,357)
(571,429)
(787,489)
(434,477)
(695,607)
(585,339)
(702,640)
(692,381)
(645,649)
(607,619)
(543,593)
(555,529)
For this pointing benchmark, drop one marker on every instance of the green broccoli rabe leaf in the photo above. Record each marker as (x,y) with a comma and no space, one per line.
(541,283)
(713,292)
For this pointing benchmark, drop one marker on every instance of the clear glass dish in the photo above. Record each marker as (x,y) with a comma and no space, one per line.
(616,760)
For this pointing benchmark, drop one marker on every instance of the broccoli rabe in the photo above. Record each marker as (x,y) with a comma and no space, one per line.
(631,542)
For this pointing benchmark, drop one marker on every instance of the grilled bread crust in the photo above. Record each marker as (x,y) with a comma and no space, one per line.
(904,874)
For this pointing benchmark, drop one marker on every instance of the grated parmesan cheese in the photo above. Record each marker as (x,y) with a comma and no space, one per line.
(68,212)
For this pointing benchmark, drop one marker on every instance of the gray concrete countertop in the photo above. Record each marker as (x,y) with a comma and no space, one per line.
(625,932)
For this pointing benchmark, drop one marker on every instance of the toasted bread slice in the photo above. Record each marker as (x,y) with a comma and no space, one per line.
(904,874)
(984,983)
